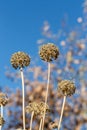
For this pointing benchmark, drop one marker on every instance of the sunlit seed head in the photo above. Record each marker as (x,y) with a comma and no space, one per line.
(20,60)
(2,121)
(48,52)
(66,87)
(3,99)
(33,107)
(43,107)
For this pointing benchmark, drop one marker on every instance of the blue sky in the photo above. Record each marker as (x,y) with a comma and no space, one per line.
(21,22)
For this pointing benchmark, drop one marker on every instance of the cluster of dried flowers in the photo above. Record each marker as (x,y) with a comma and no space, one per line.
(3,102)
(74,53)
(48,53)
(37,108)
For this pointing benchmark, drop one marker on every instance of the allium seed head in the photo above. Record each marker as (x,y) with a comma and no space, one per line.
(48,52)
(67,87)
(20,60)
(2,121)
(3,99)
(33,107)
(42,107)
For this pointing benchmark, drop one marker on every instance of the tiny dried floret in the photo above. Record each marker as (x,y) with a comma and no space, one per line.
(2,121)
(53,125)
(67,87)
(33,107)
(43,107)
(48,52)
(20,60)
(3,99)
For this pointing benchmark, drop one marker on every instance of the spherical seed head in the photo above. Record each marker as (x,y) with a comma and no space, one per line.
(48,52)
(3,99)
(33,107)
(43,107)
(20,60)
(67,87)
(2,121)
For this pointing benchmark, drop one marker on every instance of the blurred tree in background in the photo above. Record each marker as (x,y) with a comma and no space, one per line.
(71,64)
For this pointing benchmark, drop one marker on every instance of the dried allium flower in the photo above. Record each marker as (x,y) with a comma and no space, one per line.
(33,107)
(42,108)
(3,99)
(66,87)
(2,121)
(20,60)
(48,52)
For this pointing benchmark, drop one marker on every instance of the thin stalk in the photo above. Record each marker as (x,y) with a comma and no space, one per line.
(40,124)
(1,110)
(23,98)
(0,127)
(31,121)
(60,120)
(48,81)
(1,115)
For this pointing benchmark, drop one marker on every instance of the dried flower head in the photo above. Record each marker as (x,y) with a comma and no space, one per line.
(42,107)
(20,60)
(2,121)
(3,99)
(66,87)
(48,52)
(33,107)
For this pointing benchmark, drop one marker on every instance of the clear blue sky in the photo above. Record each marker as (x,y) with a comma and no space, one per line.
(21,21)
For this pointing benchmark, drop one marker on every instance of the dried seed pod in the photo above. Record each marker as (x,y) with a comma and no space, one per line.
(67,87)
(2,121)
(42,107)
(3,99)
(53,125)
(20,60)
(48,52)
(33,107)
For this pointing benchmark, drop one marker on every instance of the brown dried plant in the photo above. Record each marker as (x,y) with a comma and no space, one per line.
(48,53)
(2,121)
(67,88)
(42,106)
(21,60)
(32,108)
(3,102)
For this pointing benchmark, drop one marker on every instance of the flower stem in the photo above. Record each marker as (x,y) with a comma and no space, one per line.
(0,127)
(1,110)
(40,124)
(1,114)
(48,81)
(31,121)
(59,125)
(23,98)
